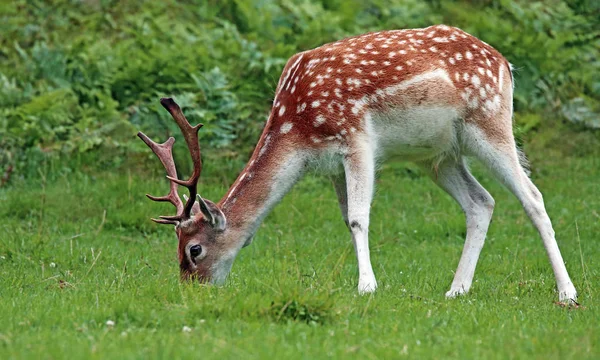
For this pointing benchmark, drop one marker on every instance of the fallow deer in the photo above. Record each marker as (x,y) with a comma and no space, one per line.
(432,95)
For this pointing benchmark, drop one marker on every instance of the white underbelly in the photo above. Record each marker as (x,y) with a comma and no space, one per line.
(416,133)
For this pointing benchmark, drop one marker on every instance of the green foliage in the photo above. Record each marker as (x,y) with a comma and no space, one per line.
(79,78)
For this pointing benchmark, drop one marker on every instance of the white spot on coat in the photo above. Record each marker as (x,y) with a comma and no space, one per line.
(475,81)
(482,93)
(300,108)
(286,127)
(319,120)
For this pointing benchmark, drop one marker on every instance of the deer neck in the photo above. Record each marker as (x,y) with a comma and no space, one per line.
(269,174)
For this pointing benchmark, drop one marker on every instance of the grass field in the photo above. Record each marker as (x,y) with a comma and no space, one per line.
(81,251)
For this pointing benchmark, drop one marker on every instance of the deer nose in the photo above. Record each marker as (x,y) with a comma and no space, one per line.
(187,275)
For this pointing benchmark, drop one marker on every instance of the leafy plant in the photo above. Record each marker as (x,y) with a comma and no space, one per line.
(77,79)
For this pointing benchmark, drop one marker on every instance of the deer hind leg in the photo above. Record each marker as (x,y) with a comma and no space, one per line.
(339,183)
(359,167)
(478,205)
(502,158)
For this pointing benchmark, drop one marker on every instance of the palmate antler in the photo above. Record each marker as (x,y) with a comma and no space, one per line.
(164,152)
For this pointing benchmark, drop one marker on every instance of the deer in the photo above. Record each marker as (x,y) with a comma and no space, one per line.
(434,96)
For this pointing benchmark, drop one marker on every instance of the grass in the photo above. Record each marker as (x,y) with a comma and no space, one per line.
(81,251)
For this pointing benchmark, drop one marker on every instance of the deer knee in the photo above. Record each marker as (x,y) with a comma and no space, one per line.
(358,225)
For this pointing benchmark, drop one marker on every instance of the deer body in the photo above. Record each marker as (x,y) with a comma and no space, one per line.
(432,96)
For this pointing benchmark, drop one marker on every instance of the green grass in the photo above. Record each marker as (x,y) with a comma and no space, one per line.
(81,251)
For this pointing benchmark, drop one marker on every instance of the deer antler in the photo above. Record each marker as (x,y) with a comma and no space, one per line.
(164,152)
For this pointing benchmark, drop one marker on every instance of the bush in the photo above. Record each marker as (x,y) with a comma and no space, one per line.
(79,78)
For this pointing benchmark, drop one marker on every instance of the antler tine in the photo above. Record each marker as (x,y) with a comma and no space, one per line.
(190,134)
(163,221)
(164,152)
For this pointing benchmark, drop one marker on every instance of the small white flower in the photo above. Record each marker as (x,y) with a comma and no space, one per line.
(186,329)
(52,265)
(110,323)
(202,321)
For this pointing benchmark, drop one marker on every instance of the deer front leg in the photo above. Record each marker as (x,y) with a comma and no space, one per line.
(360,173)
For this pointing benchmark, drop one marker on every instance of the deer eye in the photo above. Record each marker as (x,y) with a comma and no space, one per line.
(195,251)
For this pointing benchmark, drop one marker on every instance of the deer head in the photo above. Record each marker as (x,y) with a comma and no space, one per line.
(199,225)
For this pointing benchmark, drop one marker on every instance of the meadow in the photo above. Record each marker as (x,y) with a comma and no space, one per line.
(86,274)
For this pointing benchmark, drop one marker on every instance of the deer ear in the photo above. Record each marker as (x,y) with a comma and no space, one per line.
(212,213)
